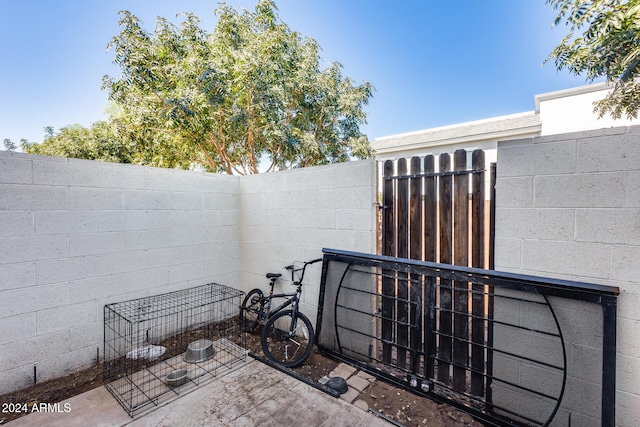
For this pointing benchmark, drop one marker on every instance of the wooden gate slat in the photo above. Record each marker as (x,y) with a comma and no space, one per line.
(461,257)
(403,252)
(430,234)
(478,242)
(415,252)
(430,245)
(388,248)
(445,243)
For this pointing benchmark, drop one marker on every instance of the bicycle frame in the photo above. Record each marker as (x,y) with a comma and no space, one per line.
(293,298)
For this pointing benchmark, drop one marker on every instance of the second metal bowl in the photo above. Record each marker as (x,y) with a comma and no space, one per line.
(199,351)
(177,378)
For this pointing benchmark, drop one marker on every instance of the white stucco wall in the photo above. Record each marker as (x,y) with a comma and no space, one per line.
(571,110)
(568,206)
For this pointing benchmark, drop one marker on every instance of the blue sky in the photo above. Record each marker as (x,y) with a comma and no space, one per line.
(433,63)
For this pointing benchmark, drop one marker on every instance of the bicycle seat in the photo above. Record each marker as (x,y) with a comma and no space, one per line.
(273,275)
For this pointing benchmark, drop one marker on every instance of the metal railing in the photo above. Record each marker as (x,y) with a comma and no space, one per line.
(513,361)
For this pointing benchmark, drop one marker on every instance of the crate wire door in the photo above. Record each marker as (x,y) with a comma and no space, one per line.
(145,340)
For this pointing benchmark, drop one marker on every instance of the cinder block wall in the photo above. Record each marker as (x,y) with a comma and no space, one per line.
(290,216)
(568,206)
(75,235)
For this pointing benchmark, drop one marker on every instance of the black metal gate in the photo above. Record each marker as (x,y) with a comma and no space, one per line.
(506,365)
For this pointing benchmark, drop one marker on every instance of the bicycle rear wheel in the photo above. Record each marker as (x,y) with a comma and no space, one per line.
(250,310)
(285,345)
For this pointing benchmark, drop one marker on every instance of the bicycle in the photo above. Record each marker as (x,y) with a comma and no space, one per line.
(287,337)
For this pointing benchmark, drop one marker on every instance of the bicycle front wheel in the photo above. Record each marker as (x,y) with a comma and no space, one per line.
(287,342)
(250,310)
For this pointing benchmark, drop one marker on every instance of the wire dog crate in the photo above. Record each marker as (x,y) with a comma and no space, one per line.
(159,347)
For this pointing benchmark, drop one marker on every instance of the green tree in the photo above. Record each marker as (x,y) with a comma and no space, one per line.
(99,142)
(9,145)
(251,91)
(603,41)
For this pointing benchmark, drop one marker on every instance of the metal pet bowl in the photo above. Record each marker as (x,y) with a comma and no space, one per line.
(199,351)
(177,378)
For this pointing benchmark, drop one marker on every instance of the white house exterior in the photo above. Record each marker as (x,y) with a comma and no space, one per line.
(563,111)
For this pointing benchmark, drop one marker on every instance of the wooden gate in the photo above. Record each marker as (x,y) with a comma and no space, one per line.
(438,213)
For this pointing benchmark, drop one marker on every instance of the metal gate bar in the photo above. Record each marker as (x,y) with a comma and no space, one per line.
(526,329)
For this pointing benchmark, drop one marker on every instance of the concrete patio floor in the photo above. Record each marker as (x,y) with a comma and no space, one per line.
(252,394)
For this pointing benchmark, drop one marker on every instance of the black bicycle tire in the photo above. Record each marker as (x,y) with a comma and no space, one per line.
(267,336)
(247,307)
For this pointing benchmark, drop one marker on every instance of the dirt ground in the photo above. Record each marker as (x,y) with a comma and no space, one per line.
(397,404)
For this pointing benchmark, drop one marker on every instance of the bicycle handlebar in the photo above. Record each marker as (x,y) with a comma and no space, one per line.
(303,268)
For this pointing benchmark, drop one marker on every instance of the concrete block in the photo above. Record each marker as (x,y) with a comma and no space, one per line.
(363,241)
(628,335)
(583,397)
(17,275)
(96,288)
(65,269)
(121,262)
(220,201)
(20,301)
(343,370)
(627,405)
(184,272)
(351,395)
(632,185)
(87,173)
(535,223)
(162,257)
(508,253)
(624,263)
(16,223)
(33,350)
(608,226)
(145,200)
(514,192)
(81,198)
(355,219)
(157,219)
(159,179)
(67,363)
(17,197)
(184,200)
(15,170)
(572,258)
(585,363)
(506,309)
(541,379)
(65,317)
(537,159)
(25,249)
(199,218)
(89,335)
(627,374)
(136,281)
(17,328)
(15,379)
(189,236)
(605,154)
(528,344)
(581,190)
(65,222)
(122,220)
(145,239)
(95,243)
(181,180)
